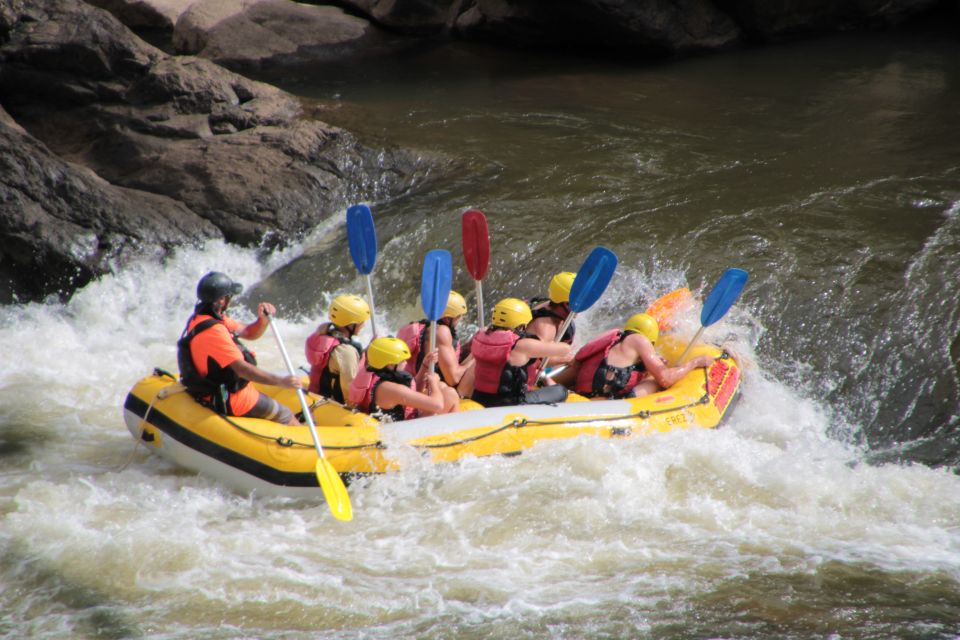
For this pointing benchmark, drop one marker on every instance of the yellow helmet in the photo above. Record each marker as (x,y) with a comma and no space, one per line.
(456,306)
(385,351)
(349,309)
(645,324)
(511,313)
(560,286)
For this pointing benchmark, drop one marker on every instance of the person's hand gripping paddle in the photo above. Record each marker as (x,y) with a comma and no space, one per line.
(718,302)
(435,289)
(362,237)
(334,490)
(592,279)
(476,252)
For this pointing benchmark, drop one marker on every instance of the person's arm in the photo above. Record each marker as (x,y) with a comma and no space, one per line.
(256,328)
(391,394)
(544,328)
(528,348)
(447,362)
(665,376)
(429,358)
(568,376)
(253,373)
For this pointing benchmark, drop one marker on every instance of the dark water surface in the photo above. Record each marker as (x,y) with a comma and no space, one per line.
(829,170)
(826,507)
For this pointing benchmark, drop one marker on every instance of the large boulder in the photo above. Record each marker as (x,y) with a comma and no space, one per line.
(254,33)
(236,153)
(662,26)
(665,26)
(61,224)
(145,14)
(774,20)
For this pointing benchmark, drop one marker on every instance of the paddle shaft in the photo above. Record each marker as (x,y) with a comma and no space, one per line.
(433,341)
(303,399)
(721,297)
(689,346)
(373,312)
(563,329)
(480,304)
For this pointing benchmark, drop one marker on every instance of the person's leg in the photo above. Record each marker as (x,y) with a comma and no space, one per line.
(270,409)
(465,386)
(553,394)
(451,399)
(645,388)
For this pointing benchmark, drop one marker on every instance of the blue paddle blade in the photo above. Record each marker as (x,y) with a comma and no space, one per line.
(362,236)
(435,283)
(592,279)
(723,295)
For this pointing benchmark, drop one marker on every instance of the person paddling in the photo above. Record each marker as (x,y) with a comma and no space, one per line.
(384,385)
(416,335)
(503,353)
(333,351)
(622,363)
(549,315)
(216,368)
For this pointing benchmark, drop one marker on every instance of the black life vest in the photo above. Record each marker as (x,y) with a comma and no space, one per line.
(399,412)
(213,389)
(547,312)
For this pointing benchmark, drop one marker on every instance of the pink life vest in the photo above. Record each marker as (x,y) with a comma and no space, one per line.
(593,358)
(413,334)
(364,388)
(318,349)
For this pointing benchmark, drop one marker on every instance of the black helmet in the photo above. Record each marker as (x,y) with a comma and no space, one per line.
(215,285)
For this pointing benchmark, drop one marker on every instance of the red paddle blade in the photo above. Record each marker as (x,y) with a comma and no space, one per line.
(476,243)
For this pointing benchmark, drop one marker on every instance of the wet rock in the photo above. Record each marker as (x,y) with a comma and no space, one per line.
(251,33)
(62,225)
(212,145)
(658,25)
(411,16)
(774,20)
(145,14)
(666,26)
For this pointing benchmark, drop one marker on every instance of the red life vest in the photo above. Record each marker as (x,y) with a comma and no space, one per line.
(363,390)
(415,334)
(318,349)
(596,377)
(496,379)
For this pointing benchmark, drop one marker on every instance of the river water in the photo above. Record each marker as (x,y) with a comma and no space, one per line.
(827,506)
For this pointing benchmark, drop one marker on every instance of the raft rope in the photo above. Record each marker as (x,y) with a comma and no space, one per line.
(166,392)
(517,423)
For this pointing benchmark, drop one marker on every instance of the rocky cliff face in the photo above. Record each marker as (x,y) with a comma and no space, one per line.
(112,146)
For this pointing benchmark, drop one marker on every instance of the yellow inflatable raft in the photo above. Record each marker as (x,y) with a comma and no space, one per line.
(250,454)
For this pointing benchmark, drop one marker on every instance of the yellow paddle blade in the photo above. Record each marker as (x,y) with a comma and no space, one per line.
(664,307)
(334,490)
